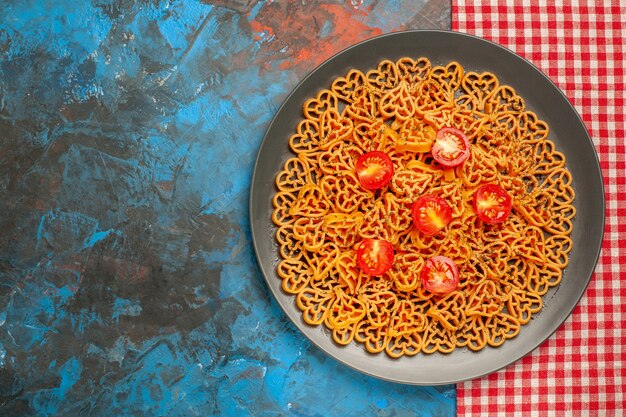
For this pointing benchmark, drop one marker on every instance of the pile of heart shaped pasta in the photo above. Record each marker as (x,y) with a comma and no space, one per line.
(323,212)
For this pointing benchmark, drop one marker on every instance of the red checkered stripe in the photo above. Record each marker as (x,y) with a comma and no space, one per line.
(579,371)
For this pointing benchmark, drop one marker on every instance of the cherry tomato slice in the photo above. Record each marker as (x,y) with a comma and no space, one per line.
(440,275)
(374,256)
(492,204)
(374,170)
(451,147)
(431,213)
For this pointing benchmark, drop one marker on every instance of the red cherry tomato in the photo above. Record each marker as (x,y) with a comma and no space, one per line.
(374,256)
(440,275)
(431,213)
(451,147)
(374,170)
(492,204)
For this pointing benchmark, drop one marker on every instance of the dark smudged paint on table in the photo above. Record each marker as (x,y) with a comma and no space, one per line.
(128,133)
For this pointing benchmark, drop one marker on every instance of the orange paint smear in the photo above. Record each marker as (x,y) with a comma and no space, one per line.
(305,36)
(259,28)
(346,31)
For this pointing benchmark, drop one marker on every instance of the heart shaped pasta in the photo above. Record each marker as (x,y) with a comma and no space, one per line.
(295,274)
(314,304)
(405,331)
(397,103)
(413,71)
(310,232)
(406,271)
(383,78)
(294,175)
(504,100)
(451,75)
(480,86)
(314,108)
(343,228)
(345,192)
(306,139)
(345,87)
(348,272)
(484,301)
(334,128)
(379,304)
(522,304)
(345,311)
(501,327)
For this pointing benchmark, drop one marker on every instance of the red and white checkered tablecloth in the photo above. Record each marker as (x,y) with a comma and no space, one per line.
(579,371)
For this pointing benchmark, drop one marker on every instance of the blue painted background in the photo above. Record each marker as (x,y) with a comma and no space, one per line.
(128,285)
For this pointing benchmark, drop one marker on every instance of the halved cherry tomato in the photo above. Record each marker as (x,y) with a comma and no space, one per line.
(374,170)
(451,147)
(374,256)
(440,275)
(492,204)
(431,213)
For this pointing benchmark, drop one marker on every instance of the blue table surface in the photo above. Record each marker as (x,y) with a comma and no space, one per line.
(128,134)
